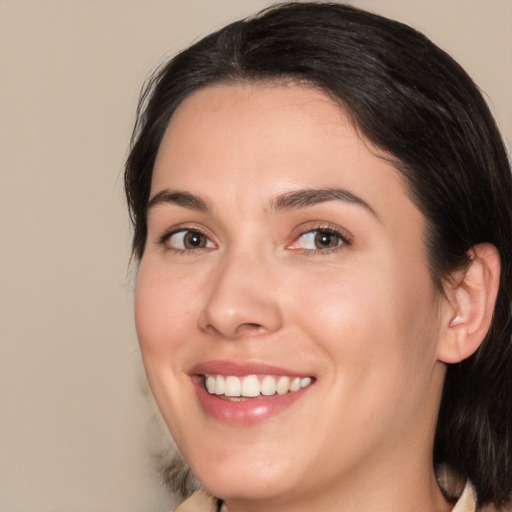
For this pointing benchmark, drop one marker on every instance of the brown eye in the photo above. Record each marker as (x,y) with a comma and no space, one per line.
(319,239)
(193,240)
(326,240)
(188,239)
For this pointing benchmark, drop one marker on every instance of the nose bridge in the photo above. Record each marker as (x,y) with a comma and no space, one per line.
(242,298)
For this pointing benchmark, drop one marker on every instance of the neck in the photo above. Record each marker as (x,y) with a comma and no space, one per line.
(399,488)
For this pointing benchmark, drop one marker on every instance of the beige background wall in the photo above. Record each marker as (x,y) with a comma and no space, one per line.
(74,424)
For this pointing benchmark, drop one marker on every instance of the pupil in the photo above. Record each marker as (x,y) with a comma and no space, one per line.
(194,239)
(324,239)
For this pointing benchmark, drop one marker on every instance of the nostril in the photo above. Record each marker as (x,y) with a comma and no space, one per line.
(249,327)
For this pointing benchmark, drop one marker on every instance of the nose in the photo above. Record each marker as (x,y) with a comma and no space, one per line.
(241,300)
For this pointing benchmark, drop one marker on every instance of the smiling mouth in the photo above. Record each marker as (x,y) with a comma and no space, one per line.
(236,388)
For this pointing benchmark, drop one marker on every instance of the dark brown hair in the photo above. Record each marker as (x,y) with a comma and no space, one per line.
(412,100)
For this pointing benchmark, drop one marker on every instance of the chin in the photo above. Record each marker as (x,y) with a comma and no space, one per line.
(245,486)
(244,477)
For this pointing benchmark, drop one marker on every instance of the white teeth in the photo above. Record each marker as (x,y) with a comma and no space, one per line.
(220,385)
(268,385)
(283,385)
(210,384)
(233,386)
(295,384)
(251,386)
(306,381)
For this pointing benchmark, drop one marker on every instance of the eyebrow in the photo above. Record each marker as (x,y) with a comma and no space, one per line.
(295,200)
(178,198)
(304,198)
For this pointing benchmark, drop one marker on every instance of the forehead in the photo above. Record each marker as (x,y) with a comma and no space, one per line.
(248,124)
(254,142)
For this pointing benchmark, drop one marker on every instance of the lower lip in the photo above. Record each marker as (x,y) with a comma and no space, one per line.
(247,411)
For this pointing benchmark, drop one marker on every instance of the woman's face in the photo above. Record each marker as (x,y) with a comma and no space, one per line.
(286,262)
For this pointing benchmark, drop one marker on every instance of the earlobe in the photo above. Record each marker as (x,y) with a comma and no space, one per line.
(469,307)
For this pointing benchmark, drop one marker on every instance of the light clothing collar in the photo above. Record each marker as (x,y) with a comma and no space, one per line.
(200,501)
(467,500)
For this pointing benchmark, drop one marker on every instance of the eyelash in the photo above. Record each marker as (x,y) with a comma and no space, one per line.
(343,241)
(164,240)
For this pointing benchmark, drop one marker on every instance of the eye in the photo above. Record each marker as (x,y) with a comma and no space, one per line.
(188,239)
(319,240)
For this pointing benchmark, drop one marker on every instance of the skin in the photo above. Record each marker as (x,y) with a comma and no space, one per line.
(363,317)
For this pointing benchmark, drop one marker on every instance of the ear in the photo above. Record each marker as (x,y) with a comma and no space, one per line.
(467,312)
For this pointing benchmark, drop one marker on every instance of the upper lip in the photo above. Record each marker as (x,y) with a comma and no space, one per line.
(240,369)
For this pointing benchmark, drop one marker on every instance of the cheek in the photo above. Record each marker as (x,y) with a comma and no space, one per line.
(368,320)
(163,311)
(341,312)
(163,316)
(376,339)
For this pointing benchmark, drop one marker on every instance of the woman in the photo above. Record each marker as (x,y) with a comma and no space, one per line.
(322,213)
